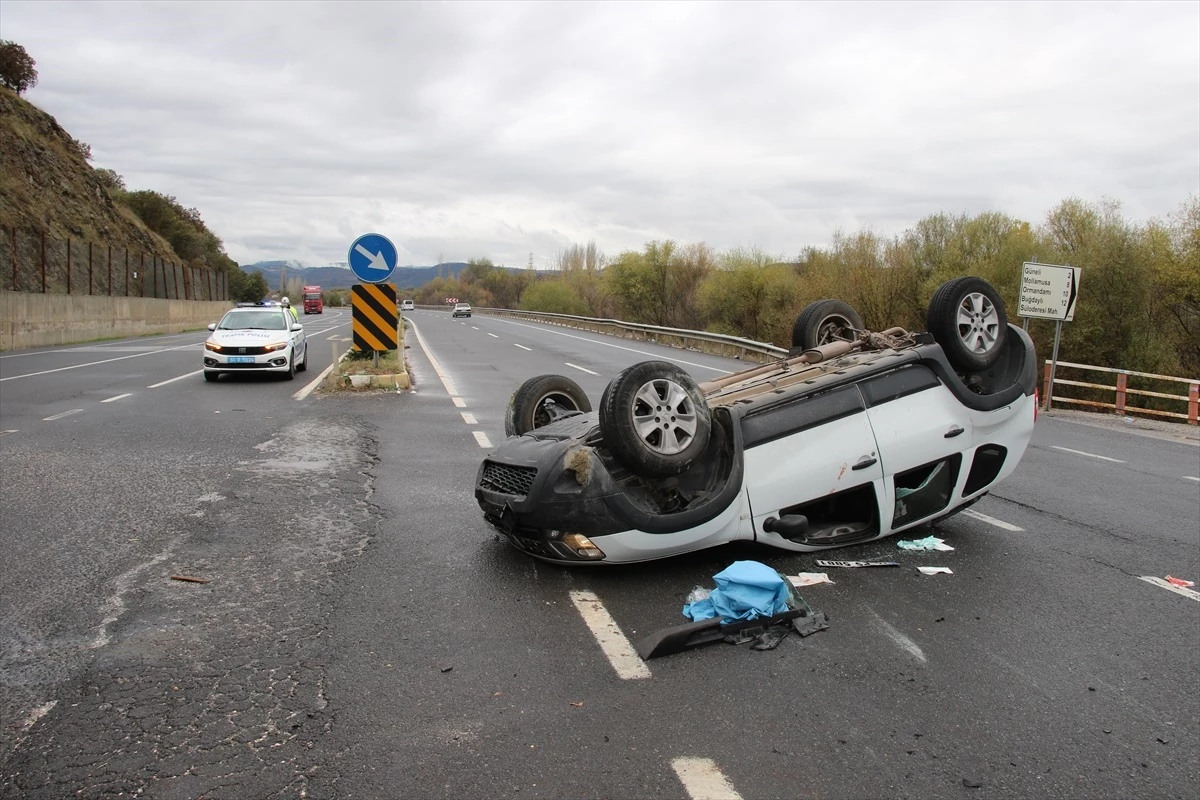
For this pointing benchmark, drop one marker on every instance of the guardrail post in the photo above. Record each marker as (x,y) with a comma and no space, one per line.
(1046,389)
(1193,402)
(1122,380)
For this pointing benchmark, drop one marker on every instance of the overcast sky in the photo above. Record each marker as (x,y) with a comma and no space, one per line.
(497,129)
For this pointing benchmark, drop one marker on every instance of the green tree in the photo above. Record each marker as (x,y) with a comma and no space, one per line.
(553,296)
(750,295)
(17,68)
(110,179)
(246,287)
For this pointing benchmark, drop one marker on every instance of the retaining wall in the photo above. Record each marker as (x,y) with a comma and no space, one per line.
(29,319)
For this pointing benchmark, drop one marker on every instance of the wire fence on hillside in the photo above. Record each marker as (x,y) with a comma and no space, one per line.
(36,262)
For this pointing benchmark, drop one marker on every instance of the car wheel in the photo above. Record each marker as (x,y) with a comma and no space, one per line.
(527,407)
(291,373)
(211,377)
(824,321)
(304,364)
(654,419)
(967,318)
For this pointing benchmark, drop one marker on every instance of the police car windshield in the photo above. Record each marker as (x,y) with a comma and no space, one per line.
(253,320)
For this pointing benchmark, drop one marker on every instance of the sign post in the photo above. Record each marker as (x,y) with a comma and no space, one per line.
(1049,291)
(375,318)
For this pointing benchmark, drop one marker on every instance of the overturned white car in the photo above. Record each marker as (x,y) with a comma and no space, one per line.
(856,436)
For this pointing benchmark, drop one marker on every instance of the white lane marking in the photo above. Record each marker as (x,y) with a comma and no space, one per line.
(999,523)
(494,336)
(11,430)
(612,641)
(95,347)
(1089,455)
(703,780)
(118,397)
(469,418)
(617,346)
(172,380)
(523,347)
(474,328)
(459,402)
(1190,478)
(581,369)
(37,714)
(63,414)
(1183,590)
(94,363)
(450,390)
(483,440)
(899,638)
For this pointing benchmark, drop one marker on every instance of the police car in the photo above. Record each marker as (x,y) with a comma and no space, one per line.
(256,337)
(855,436)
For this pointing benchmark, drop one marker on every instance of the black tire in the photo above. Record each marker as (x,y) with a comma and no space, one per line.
(825,321)
(654,419)
(526,407)
(303,366)
(966,316)
(211,377)
(291,373)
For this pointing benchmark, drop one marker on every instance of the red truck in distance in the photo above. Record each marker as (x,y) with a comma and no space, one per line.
(312,300)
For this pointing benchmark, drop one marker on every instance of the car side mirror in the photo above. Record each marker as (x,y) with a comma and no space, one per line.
(212,326)
(296,326)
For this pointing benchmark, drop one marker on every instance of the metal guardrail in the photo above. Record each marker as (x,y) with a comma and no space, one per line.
(1122,391)
(702,341)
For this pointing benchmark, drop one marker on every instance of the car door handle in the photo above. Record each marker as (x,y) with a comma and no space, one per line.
(954,431)
(864,462)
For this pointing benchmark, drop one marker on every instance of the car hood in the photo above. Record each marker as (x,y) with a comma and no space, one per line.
(248,338)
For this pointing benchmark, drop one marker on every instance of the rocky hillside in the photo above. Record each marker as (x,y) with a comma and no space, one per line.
(46,183)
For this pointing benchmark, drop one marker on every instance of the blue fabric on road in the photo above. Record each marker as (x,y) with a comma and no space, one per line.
(745,590)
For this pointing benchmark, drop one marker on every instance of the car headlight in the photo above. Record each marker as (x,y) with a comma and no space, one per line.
(213,346)
(582,546)
(271,348)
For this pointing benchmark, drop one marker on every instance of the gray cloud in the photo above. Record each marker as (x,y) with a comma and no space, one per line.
(468,129)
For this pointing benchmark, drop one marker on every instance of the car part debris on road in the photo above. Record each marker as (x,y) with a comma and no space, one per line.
(856,564)
(752,603)
(928,543)
(809,579)
(935,570)
(1180,582)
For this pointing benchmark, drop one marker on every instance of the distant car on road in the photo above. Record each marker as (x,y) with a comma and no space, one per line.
(407,305)
(256,337)
(856,436)
(461,310)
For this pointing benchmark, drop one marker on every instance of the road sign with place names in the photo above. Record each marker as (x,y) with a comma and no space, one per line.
(372,258)
(1048,291)
(375,318)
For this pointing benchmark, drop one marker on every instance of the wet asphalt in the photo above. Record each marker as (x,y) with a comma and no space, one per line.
(364,634)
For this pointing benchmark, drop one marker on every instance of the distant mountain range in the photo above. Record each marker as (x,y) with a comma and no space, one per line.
(340,276)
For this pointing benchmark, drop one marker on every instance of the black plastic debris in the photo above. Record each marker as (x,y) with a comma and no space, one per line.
(765,632)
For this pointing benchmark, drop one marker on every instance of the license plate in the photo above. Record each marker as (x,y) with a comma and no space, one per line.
(241,359)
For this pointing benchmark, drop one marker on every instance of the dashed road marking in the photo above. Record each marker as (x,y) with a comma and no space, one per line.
(459,402)
(1089,455)
(1162,584)
(1190,478)
(172,380)
(483,440)
(581,369)
(523,347)
(899,638)
(612,641)
(63,414)
(469,418)
(11,430)
(103,361)
(118,397)
(474,328)
(617,346)
(999,523)
(494,336)
(703,779)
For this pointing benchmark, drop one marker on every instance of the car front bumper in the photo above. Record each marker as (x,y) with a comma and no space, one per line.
(265,362)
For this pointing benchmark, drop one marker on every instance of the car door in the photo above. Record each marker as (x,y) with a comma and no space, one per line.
(813,451)
(921,432)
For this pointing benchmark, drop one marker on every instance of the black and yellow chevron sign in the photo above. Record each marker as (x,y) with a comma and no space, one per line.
(375,316)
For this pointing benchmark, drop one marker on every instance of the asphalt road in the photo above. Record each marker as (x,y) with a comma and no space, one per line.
(364,634)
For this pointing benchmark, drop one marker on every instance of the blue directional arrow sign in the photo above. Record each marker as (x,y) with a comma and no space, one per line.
(372,258)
